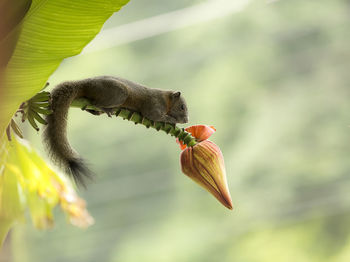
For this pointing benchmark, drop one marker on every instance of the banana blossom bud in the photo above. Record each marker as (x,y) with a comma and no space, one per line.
(204,163)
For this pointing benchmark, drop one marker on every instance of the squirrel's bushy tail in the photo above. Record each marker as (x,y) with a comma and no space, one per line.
(55,133)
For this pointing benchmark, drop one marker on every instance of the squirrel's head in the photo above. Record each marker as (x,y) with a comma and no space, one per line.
(178,107)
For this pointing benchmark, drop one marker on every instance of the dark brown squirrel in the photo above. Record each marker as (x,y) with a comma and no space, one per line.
(105,93)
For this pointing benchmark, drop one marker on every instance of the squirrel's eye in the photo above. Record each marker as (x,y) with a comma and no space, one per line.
(183,107)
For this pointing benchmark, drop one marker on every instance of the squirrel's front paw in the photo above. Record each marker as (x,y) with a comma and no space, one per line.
(108,111)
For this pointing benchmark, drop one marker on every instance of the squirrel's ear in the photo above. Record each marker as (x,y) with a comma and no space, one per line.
(176,94)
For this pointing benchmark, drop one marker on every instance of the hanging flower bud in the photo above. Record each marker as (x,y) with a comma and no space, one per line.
(204,163)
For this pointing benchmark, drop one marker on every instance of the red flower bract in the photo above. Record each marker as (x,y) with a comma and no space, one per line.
(200,132)
(204,163)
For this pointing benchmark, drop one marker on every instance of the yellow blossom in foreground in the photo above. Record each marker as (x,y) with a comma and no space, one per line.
(26,180)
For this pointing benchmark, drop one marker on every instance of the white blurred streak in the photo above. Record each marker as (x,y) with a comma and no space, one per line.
(163,23)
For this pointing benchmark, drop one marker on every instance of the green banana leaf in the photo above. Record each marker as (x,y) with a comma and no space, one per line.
(51,31)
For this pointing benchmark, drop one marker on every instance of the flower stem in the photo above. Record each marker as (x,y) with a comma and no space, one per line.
(137,118)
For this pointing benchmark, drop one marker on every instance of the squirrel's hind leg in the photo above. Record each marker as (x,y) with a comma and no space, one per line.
(108,111)
(91,111)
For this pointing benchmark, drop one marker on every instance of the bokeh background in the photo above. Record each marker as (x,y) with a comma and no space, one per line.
(273,78)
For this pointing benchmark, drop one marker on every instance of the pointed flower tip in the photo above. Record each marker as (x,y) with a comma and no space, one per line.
(204,163)
(223,194)
(227,202)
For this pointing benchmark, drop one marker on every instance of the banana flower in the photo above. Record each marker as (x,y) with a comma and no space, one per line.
(204,164)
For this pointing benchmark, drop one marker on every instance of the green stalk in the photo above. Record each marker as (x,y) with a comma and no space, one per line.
(137,118)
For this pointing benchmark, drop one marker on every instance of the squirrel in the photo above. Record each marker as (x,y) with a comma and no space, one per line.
(106,93)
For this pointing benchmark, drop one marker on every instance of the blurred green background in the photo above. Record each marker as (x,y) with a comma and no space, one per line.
(273,78)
